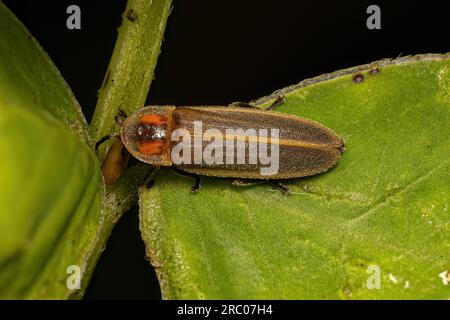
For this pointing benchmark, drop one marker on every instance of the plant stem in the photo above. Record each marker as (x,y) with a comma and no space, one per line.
(125,87)
(131,69)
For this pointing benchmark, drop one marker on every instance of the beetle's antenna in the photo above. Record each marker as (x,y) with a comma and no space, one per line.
(118,121)
(106,138)
(121,115)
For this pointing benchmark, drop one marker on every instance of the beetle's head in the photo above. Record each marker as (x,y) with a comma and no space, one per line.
(146,135)
(151,134)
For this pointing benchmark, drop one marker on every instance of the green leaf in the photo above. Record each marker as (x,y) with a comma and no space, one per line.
(385,205)
(29,79)
(51,196)
(51,190)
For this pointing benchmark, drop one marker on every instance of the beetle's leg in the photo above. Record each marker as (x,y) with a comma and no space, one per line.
(238,182)
(197,185)
(106,138)
(280,186)
(149,184)
(242,105)
(250,182)
(145,181)
(278,101)
(118,121)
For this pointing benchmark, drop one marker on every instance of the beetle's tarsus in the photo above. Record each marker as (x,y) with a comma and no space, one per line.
(196,187)
(106,138)
(250,182)
(278,101)
(245,182)
(280,186)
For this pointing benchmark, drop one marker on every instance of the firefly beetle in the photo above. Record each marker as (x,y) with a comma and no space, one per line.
(229,141)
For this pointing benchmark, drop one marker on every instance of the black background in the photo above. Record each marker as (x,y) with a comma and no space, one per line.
(217,52)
